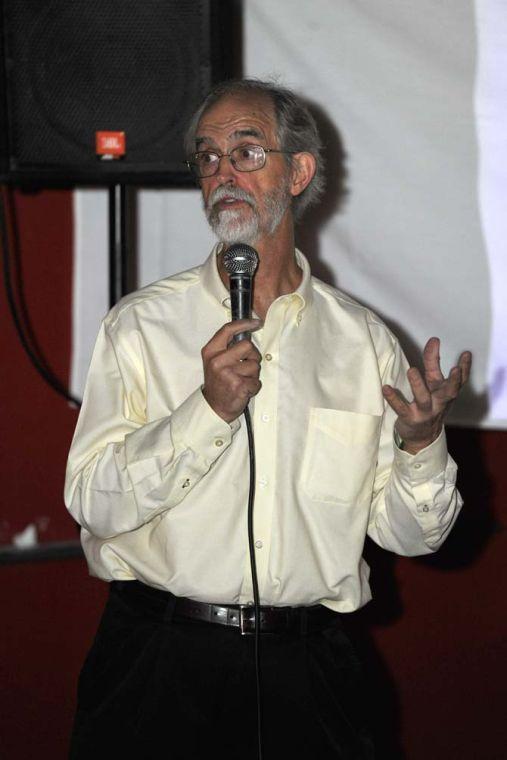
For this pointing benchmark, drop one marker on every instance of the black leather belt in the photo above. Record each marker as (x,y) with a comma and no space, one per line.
(272,619)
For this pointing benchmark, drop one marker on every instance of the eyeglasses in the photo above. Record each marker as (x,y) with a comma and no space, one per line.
(244,158)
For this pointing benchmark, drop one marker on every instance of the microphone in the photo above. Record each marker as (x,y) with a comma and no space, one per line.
(240,262)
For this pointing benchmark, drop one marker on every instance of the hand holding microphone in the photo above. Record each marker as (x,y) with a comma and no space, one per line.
(231,362)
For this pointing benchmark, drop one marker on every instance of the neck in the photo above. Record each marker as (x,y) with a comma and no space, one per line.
(278,273)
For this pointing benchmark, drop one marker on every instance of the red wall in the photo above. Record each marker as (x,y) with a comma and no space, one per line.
(37,424)
(434,638)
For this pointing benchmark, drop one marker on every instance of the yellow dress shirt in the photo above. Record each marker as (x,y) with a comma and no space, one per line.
(159,482)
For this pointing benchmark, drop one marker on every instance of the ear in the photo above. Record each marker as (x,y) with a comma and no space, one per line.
(304,167)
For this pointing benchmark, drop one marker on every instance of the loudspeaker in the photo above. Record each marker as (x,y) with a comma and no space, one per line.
(75,68)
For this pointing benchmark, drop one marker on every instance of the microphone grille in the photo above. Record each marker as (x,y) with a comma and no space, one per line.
(240,259)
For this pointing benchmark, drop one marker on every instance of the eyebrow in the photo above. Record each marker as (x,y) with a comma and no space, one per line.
(237,134)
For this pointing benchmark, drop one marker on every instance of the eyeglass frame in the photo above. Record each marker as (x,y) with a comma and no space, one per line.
(265,151)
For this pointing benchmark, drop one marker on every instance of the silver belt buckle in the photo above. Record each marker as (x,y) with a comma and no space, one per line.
(243,619)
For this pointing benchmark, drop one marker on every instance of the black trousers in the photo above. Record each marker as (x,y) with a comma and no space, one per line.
(157,686)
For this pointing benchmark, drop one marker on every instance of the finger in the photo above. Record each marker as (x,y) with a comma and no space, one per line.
(465,365)
(422,395)
(223,336)
(231,358)
(253,386)
(450,388)
(454,382)
(247,368)
(396,400)
(230,354)
(431,360)
(243,325)
(243,351)
(249,387)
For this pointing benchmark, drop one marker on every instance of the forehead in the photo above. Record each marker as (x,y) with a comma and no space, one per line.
(236,116)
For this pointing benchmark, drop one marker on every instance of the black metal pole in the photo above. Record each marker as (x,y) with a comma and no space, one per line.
(118,252)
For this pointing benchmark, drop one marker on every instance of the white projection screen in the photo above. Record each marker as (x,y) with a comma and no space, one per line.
(416,92)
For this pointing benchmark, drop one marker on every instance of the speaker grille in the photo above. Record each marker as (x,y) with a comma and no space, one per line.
(77,66)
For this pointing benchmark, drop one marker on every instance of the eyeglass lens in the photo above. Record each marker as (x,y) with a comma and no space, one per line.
(244,158)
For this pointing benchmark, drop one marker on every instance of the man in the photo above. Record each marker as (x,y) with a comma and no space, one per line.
(157,473)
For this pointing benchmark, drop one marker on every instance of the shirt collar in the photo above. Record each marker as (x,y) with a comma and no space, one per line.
(211,280)
(213,285)
(305,291)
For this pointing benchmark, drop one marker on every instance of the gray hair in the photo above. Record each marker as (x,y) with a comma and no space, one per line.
(296,129)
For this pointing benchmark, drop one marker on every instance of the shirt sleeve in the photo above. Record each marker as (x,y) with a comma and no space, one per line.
(416,501)
(123,471)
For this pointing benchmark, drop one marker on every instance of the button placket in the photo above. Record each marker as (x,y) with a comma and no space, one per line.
(266,415)
(265,446)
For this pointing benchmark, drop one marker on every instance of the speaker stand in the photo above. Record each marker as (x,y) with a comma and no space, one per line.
(118,248)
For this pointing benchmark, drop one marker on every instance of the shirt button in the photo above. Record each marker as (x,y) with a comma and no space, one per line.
(258,544)
(268,357)
(186,483)
(417,466)
(426,508)
(219,442)
(263,481)
(265,417)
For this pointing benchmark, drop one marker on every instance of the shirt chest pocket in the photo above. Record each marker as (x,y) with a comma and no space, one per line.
(340,455)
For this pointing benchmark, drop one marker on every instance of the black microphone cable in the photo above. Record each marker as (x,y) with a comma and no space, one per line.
(16,301)
(255,584)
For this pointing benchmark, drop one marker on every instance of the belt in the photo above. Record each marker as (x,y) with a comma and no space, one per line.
(272,619)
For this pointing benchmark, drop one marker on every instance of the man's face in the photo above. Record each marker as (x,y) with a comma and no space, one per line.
(243,206)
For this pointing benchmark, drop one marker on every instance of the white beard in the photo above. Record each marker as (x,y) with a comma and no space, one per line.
(247,225)
(230,227)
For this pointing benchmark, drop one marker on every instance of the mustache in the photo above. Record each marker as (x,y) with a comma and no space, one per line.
(229,192)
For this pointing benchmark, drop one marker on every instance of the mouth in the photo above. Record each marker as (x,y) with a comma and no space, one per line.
(229,203)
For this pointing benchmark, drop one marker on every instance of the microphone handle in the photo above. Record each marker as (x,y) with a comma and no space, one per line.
(241,301)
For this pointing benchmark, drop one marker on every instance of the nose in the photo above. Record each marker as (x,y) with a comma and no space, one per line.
(226,172)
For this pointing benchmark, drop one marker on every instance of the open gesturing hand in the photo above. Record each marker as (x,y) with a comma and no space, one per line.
(420,421)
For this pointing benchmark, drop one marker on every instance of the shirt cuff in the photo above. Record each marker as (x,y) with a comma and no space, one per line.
(426,464)
(197,426)
(430,477)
